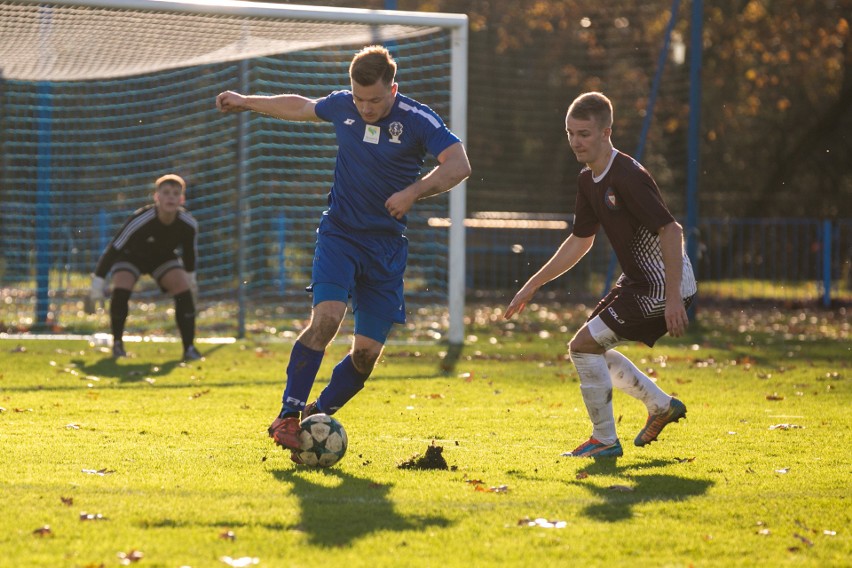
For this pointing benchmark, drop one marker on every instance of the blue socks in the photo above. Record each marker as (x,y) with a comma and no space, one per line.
(301,373)
(345,383)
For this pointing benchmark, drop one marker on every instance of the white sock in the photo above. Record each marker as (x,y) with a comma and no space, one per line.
(596,388)
(629,379)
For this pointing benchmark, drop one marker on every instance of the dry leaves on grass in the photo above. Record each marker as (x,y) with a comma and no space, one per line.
(100,472)
(542,522)
(129,557)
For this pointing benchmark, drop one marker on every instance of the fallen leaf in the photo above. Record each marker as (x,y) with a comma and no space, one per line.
(764,532)
(783,470)
(228,535)
(240,562)
(774,396)
(100,472)
(84,516)
(784,426)
(620,488)
(43,531)
(685,460)
(582,474)
(804,539)
(67,501)
(542,522)
(128,558)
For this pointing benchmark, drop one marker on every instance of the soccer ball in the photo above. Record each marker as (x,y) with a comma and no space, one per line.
(322,440)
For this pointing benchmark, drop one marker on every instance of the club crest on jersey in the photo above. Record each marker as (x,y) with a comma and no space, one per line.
(371,134)
(395,130)
(611,201)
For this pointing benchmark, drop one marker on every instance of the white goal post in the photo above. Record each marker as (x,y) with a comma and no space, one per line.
(49,41)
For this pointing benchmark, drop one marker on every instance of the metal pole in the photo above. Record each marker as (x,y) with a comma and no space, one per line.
(240,205)
(693,131)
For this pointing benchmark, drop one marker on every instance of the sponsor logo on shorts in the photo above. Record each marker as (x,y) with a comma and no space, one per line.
(613,313)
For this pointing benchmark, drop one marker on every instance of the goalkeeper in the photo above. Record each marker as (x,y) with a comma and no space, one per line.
(147,244)
(361,250)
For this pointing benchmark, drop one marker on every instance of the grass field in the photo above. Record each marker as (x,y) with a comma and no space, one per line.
(152,463)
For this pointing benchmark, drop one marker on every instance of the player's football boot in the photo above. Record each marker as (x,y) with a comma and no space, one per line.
(310,409)
(118,350)
(192,354)
(285,432)
(595,449)
(657,422)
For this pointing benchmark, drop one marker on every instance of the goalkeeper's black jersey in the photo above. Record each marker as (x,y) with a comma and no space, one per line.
(146,238)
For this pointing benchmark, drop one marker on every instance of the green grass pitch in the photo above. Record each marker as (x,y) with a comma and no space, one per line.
(149,462)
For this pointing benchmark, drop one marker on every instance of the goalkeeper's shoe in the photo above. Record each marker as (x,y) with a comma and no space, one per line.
(595,449)
(192,354)
(118,350)
(285,432)
(657,422)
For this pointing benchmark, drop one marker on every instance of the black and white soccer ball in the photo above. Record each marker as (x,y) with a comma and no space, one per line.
(322,440)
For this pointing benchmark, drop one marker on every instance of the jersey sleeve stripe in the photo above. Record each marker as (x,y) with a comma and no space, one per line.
(133,226)
(414,110)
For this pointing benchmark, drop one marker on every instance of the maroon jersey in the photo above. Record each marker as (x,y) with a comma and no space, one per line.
(626,201)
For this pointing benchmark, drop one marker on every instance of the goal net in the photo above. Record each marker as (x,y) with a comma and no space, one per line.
(99,98)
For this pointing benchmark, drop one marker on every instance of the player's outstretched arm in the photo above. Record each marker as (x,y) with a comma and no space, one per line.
(570,252)
(287,107)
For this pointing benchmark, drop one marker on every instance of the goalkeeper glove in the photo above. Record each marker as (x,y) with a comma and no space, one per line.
(97,291)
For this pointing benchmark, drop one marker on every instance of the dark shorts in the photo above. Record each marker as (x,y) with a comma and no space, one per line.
(156,267)
(633,315)
(369,267)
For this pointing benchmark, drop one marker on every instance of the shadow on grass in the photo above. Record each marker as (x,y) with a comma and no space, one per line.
(343,508)
(617,501)
(134,369)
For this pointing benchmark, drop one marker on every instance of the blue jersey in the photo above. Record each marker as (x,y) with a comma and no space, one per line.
(375,161)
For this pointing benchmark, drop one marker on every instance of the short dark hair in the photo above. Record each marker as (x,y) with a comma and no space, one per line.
(372,64)
(592,106)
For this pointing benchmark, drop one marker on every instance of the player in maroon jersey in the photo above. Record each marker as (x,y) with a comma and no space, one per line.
(147,244)
(649,299)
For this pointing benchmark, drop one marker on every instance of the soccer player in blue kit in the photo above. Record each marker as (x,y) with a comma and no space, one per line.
(361,250)
(648,300)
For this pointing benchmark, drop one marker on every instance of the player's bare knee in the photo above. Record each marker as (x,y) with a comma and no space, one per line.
(321,330)
(364,360)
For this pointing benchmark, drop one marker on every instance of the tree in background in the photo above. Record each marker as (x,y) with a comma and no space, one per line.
(776,99)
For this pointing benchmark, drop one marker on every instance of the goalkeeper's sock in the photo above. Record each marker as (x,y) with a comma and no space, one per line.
(185,317)
(345,383)
(118,308)
(301,374)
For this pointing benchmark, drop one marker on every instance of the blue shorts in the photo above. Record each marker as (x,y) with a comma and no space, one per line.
(367,267)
